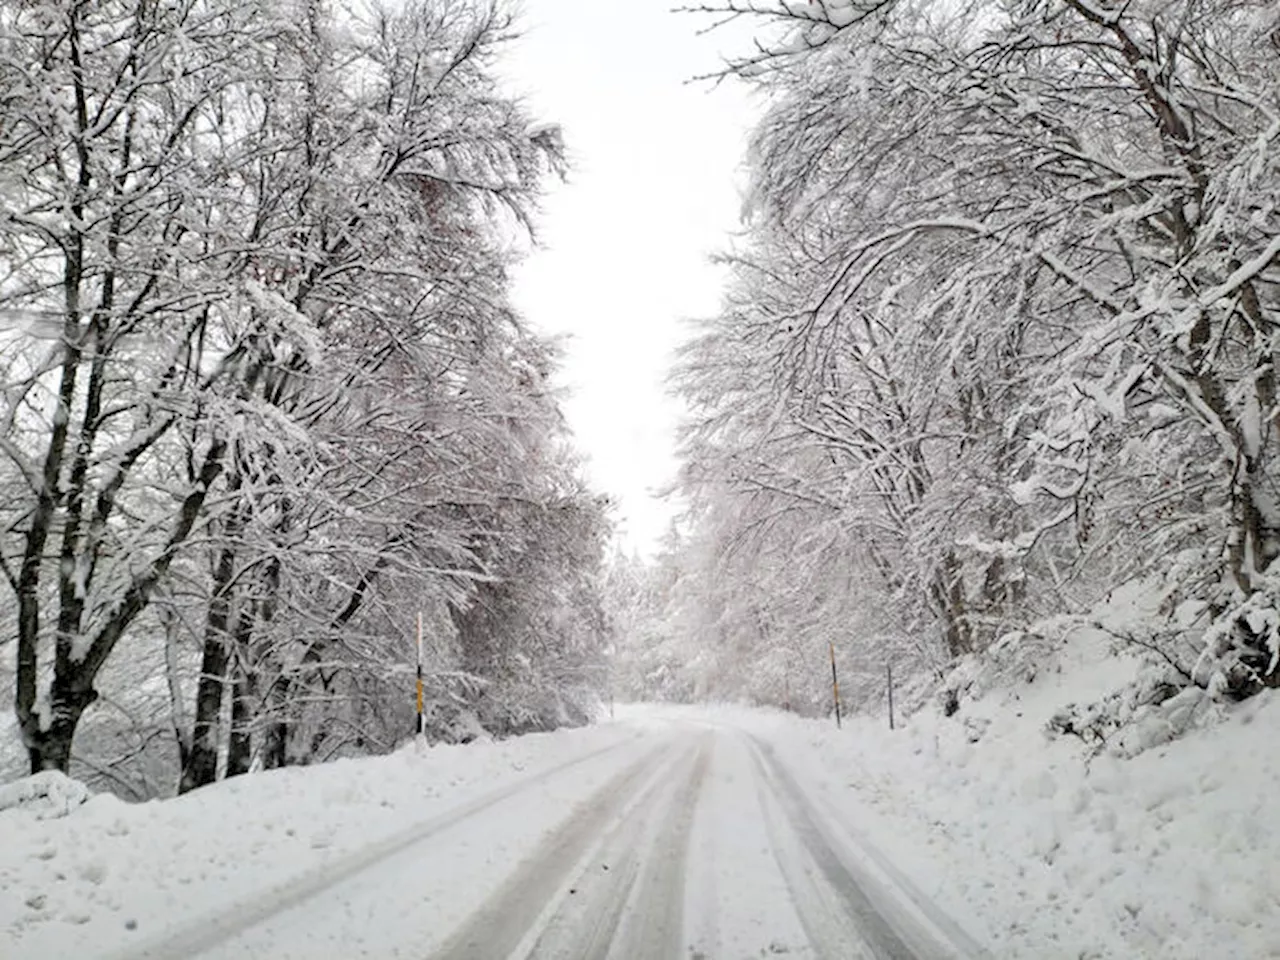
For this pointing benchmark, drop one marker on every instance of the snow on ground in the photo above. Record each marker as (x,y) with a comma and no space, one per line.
(1037,848)
(1043,850)
(738,897)
(49,793)
(111,873)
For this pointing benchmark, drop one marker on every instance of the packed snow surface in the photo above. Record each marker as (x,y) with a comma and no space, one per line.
(686,832)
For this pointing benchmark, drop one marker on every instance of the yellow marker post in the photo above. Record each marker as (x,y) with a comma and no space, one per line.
(421,722)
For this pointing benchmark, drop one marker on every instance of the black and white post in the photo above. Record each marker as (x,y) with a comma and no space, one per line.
(421,724)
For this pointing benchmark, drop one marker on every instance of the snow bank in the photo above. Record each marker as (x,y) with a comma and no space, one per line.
(13,757)
(1047,848)
(110,873)
(50,793)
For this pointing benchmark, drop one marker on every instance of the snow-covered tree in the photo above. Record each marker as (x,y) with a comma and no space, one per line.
(265,396)
(1001,332)
(117,269)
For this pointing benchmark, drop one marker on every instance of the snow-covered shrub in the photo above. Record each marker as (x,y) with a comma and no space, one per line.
(1017,657)
(47,794)
(1156,708)
(1242,644)
(532,704)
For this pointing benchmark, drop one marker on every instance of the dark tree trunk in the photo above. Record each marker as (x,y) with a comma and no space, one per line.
(240,745)
(71,689)
(202,762)
(49,746)
(947,590)
(240,748)
(275,732)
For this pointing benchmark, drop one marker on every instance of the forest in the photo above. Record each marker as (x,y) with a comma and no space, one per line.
(998,347)
(999,342)
(265,399)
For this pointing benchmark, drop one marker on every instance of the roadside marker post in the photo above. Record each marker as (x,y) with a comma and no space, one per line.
(422,728)
(835,682)
(888,669)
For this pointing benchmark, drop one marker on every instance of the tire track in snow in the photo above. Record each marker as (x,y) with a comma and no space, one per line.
(500,924)
(739,904)
(204,933)
(607,884)
(654,923)
(835,928)
(886,915)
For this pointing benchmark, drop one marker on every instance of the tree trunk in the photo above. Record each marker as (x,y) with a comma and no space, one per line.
(275,735)
(240,748)
(947,590)
(240,745)
(202,762)
(49,745)
(275,745)
(177,714)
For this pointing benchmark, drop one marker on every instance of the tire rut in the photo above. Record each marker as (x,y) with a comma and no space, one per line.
(204,933)
(881,912)
(630,899)
(503,923)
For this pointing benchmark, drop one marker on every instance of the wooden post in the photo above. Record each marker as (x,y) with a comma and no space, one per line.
(422,728)
(835,682)
(609,653)
(888,669)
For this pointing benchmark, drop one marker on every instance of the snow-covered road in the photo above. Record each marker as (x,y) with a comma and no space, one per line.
(713,832)
(684,839)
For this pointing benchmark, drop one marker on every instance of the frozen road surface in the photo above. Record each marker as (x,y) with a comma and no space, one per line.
(682,839)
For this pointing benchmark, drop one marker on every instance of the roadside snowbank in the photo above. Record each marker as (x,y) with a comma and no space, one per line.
(88,883)
(49,793)
(1043,851)
(1037,847)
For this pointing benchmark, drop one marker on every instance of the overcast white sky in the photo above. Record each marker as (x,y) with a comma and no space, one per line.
(654,191)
